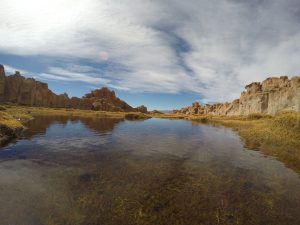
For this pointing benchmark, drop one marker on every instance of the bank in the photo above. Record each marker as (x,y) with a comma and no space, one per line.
(275,135)
(13,118)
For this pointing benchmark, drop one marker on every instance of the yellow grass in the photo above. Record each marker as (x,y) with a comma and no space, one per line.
(15,116)
(7,120)
(35,111)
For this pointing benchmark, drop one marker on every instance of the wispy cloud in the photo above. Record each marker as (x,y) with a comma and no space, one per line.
(210,47)
(71,75)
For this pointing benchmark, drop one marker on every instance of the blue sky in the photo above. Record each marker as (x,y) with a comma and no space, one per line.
(161,53)
(34,66)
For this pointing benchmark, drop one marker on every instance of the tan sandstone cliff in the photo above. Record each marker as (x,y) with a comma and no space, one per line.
(2,82)
(29,92)
(273,95)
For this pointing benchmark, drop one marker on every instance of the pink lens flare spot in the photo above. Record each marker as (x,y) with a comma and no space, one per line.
(104,56)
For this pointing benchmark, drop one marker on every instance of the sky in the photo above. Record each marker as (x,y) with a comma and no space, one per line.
(164,54)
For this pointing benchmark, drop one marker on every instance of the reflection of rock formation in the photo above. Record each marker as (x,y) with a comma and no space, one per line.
(271,96)
(101,125)
(40,124)
(27,91)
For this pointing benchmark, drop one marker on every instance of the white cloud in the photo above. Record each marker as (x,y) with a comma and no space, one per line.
(70,75)
(211,47)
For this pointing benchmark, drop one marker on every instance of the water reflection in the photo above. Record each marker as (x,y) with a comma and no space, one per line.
(106,171)
(40,124)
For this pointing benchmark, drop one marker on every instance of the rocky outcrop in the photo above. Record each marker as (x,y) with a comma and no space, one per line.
(273,95)
(105,100)
(142,109)
(2,82)
(29,92)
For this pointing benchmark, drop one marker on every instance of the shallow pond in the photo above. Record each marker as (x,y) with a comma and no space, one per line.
(69,171)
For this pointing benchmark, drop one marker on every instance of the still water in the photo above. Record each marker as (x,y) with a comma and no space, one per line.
(71,171)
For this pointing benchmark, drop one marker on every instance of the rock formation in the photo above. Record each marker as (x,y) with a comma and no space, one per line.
(2,82)
(29,92)
(142,109)
(105,100)
(273,95)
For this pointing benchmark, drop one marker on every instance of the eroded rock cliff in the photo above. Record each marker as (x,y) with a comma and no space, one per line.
(273,95)
(29,92)
(2,82)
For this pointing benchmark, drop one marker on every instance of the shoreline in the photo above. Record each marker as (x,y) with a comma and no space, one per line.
(8,135)
(13,118)
(277,136)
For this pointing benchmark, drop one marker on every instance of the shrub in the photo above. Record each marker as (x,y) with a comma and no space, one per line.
(290,120)
(257,116)
(204,120)
(136,116)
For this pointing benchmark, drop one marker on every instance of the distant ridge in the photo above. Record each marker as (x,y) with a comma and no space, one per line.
(29,92)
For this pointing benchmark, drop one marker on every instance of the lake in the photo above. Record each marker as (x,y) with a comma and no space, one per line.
(83,171)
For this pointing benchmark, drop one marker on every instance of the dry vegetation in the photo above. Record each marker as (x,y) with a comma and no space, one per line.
(10,124)
(7,120)
(11,121)
(136,116)
(26,113)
